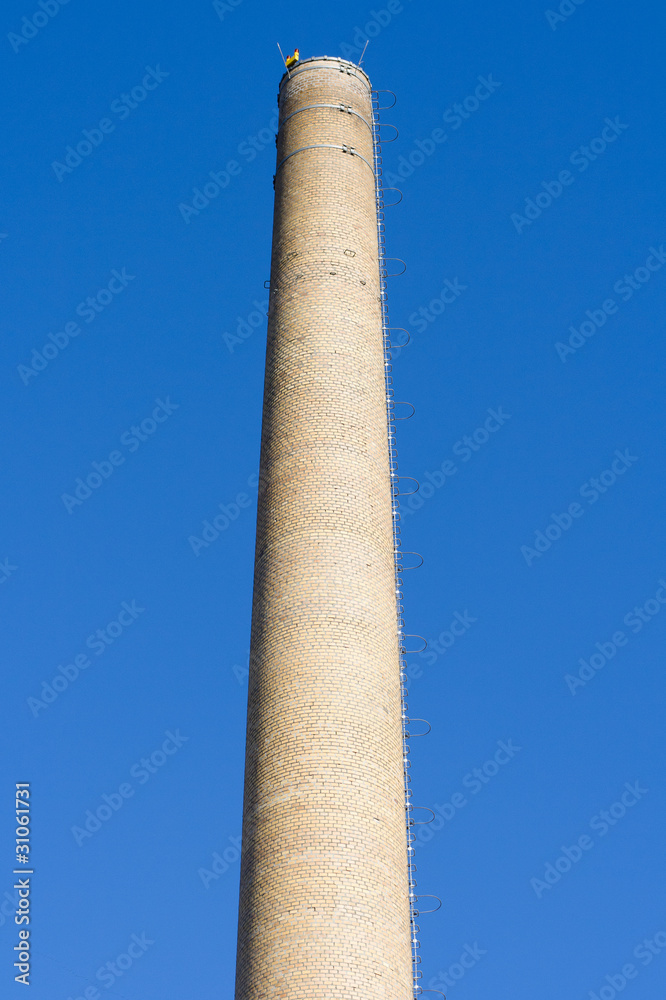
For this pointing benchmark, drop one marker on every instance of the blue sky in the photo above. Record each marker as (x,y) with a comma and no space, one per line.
(531,160)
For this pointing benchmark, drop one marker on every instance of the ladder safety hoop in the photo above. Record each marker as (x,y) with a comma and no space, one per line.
(393,203)
(410,552)
(397,273)
(380,125)
(409,492)
(384,91)
(421,822)
(391,345)
(427,731)
(404,402)
(429,895)
(414,635)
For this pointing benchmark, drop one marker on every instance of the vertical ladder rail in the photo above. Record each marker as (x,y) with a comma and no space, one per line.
(395,505)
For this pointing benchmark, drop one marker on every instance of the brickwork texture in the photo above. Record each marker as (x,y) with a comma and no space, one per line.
(324,907)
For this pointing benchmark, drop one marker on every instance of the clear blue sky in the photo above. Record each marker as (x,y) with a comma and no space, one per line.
(532,226)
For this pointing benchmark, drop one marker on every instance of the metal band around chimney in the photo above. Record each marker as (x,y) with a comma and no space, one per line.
(325,145)
(337,107)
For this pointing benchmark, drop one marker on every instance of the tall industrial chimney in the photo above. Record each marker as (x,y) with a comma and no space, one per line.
(324,897)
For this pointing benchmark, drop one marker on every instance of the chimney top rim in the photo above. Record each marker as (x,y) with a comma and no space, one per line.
(334,61)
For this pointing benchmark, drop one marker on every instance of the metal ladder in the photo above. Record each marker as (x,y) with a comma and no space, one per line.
(396,492)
